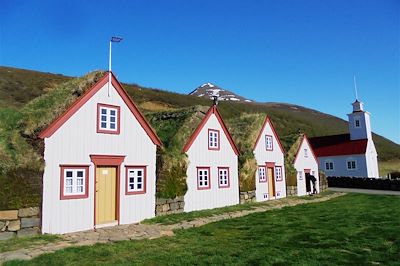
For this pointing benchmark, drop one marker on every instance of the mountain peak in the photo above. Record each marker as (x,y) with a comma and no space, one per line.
(210,90)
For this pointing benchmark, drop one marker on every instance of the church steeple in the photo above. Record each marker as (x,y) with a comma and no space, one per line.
(359,122)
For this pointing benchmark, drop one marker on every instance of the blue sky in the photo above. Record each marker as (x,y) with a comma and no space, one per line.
(301,52)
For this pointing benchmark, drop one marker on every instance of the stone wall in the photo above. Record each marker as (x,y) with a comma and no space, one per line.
(323,183)
(291,191)
(249,196)
(169,206)
(22,222)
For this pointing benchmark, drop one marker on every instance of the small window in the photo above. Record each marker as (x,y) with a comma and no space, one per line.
(278,173)
(262,177)
(135,180)
(356,122)
(300,175)
(74,181)
(108,119)
(305,153)
(203,178)
(213,139)
(351,165)
(268,143)
(223,177)
(329,166)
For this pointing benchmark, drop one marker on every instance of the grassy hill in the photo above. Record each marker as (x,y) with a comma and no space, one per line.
(37,98)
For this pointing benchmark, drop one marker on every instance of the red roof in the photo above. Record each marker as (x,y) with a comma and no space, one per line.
(338,145)
(213,110)
(56,124)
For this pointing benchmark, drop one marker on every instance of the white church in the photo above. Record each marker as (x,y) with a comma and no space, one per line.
(351,154)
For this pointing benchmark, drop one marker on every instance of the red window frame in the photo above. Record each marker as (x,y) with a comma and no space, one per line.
(107,131)
(265,174)
(281,174)
(218,139)
(272,143)
(144,188)
(209,177)
(62,180)
(228,178)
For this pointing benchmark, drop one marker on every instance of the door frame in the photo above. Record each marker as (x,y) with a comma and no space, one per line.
(271,165)
(107,160)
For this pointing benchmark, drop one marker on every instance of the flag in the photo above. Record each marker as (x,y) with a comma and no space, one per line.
(116,39)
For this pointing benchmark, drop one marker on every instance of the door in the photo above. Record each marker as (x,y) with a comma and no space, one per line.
(271,183)
(308,180)
(106,184)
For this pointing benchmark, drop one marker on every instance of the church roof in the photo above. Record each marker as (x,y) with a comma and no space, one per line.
(338,145)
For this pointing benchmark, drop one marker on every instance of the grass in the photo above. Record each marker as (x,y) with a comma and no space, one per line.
(355,229)
(26,242)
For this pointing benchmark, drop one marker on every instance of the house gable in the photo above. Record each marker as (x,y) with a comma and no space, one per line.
(56,124)
(305,144)
(268,122)
(213,110)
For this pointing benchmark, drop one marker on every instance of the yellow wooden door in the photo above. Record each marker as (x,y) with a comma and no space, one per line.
(106,178)
(271,183)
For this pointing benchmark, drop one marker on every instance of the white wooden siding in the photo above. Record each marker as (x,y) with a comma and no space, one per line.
(72,143)
(199,155)
(302,163)
(262,157)
(340,165)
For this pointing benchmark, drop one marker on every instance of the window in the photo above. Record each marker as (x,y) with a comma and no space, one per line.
(278,173)
(213,139)
(356,122)
(135,180)
(268,143)
(223,177)
(300,175)
(329,166)
(108,117)
(351,164)
(262,177)
(74,181)
(203,178)
(305,153)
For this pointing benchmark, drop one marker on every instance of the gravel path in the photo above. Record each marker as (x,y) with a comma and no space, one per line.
(147,231)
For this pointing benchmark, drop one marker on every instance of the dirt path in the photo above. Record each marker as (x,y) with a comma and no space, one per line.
(147,231)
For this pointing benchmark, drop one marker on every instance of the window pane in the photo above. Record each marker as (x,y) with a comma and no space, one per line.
(68,190)
(131,180)
(80,189)
(112,112)
(80,174)
(112,125)
(112,119)
(103,111)
(68,182)
(139,186)
(68,174)
(103,125)
(131,186)
(103,118)
(79,181)
(139,179)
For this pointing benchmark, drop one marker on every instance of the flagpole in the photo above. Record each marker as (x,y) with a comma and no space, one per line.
(109,71)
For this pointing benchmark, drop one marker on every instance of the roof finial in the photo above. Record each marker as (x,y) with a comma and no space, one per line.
(355,87)
(215,100)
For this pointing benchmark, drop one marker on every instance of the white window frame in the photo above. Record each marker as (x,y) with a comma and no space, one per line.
(269,142)
(138,181)
(223,177)
(74,186)
(357,119)
(213,139)
(330,164)
(262,174)
(300,174)
(203,179)
(353,164)
(278,173)
(305,153)
(108,116)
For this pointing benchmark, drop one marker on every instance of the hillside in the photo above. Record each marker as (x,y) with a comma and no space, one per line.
(174,117)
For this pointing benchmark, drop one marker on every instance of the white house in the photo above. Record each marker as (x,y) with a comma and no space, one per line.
(100,163)
(269,154)
(212,173)
(351,154)
(306,164)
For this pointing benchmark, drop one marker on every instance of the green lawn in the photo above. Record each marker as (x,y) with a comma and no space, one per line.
(353,229)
